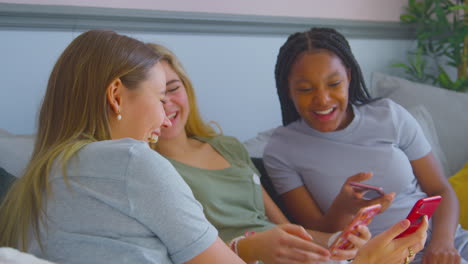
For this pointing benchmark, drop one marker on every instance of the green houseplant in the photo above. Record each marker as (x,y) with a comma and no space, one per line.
(442,42)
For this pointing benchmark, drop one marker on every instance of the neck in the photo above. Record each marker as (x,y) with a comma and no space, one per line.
(173,147)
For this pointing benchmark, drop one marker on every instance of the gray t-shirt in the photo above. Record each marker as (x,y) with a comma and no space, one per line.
(382,138)
(125,204)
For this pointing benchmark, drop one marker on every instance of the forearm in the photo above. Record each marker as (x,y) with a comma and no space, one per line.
(445,220)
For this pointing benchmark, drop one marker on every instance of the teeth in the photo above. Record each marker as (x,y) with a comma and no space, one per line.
(153,138)
(171,115)
(325,112)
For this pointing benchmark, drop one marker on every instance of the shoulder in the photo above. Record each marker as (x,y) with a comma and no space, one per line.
(384,109)
(284,136)
(125,148)
(120,155)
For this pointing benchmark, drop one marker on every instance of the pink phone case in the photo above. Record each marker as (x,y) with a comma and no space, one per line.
(370,192)
(363,217)
(424,206)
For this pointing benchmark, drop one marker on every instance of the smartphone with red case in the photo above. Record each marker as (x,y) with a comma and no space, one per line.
(370,192)
(363,217)
(424,206)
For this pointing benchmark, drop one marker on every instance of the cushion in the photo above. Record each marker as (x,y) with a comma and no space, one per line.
(6,179)
(15,152)
(256,145)
(459,182)
(448,110)
(424,119)
(14,256)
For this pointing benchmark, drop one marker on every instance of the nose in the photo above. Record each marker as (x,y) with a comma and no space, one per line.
(321,97)
(166,123)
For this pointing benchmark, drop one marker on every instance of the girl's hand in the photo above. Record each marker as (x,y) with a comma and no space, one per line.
(357,241)
(286,243)
(385,249)
(349,200)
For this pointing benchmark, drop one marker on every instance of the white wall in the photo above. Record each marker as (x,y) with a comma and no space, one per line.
(233,75)
(373,10)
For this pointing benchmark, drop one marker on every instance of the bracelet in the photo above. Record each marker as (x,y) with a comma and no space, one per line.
(235,241)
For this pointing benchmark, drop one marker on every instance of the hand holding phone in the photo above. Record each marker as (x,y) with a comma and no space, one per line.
(424,206)
(370,192)
(363,217)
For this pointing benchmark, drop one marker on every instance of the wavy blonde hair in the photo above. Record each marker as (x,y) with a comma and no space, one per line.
(74,113)
(195,125)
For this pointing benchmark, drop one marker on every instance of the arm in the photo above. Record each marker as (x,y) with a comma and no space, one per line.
(272,211)
(306,212)
(445,219)
(218,252)
(285,243)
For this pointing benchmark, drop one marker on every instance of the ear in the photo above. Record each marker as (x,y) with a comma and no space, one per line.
(348,71)
(114,95)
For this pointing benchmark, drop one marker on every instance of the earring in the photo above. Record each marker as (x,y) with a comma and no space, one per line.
(119,116)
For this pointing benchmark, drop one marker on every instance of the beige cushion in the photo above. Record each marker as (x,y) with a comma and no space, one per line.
(448,109)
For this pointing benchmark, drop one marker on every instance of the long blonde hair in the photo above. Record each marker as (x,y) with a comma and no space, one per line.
(74,113)
(195,125)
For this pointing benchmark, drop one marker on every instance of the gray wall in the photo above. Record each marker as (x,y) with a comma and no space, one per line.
(232,73)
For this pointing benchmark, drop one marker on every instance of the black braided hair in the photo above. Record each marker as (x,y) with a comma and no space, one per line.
(316,38)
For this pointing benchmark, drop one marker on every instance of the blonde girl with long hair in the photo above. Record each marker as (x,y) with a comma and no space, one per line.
(93,191)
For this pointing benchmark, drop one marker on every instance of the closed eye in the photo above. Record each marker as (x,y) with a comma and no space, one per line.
(335,84)
(172,89)
(304,89)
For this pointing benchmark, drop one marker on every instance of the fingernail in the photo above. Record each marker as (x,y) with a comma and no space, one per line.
(403,223)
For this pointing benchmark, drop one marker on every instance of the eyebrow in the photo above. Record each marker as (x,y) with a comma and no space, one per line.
(172,81)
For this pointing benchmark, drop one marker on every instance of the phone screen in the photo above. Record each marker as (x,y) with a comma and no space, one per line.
(370,192)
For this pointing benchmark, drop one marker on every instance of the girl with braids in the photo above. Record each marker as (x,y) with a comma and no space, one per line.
(222,177)
(93,191)
(332,129)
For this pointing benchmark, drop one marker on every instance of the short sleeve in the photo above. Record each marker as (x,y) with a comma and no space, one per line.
(161,200)
(278,167)
(410,137)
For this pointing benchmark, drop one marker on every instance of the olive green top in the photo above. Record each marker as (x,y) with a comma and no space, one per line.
(232,198)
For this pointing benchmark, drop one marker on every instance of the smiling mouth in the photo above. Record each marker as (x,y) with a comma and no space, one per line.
(172,116)
(325,112)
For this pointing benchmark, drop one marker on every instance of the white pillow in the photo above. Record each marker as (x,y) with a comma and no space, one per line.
(14,256)
(448,109)
(15,152)
(424,119)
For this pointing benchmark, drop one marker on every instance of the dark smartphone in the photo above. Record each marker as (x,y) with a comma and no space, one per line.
(424,206)
(363,217)
(370,192)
